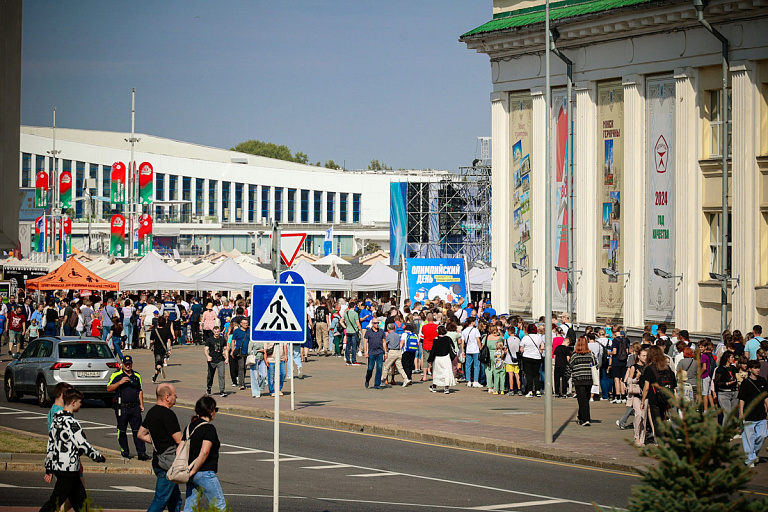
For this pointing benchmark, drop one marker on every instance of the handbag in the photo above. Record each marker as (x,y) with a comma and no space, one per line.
(178,473)
(250,360)
(595,373)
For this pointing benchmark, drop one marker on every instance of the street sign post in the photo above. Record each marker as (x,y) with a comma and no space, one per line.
(290,243)
(291,277)
(278,315)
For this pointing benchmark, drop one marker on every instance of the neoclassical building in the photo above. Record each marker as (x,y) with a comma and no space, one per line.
(647,158)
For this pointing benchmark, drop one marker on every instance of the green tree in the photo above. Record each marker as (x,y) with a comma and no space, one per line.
(271,150)
(376,166)
(330,164)
(300,157)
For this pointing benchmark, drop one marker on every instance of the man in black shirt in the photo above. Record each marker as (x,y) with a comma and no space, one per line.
(216,352)
(129,398)
(161,429)
(753,389)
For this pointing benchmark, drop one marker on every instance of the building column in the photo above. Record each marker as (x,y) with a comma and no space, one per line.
(500,225)
(585,209)
(745,198)
(633,200)
(539,197)
(688,209)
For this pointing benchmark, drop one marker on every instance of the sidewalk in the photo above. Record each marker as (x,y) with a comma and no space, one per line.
(332,395)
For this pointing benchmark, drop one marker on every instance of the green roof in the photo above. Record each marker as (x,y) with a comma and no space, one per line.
(557,11)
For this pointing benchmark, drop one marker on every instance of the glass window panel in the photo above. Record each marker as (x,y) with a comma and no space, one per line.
(291,205)
(279,204)
(329,206)
(305,206)
(265,203)
(318,207)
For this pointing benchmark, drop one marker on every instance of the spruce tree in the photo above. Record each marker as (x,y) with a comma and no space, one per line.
(699,469)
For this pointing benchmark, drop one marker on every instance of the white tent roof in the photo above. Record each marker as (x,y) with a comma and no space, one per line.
(480,279)
(118,267)
(379,277)
(330,259)
(316,280)
(199,269)
(152,273)
(227,276)
(254,269)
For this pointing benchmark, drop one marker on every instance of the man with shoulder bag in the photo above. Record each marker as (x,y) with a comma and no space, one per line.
(161,429)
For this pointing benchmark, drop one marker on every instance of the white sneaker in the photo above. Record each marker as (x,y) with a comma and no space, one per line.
(406,382)
(359,353)
(469,384)
(529,395)
(477,385)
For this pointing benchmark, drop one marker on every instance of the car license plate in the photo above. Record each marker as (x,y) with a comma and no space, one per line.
(88,374)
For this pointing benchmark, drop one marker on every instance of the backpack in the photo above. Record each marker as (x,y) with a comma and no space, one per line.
(663,380)
(73,319)
(320,315)
(604,363)
(411,343)
(622,352)
(571,335)
(484,357)
(178,473)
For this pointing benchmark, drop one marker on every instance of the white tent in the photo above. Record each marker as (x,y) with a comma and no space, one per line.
(199,269)
(152,273)
(379,277)
(228,276)
(480,279)
(316,280)
(254,269)
(330,259)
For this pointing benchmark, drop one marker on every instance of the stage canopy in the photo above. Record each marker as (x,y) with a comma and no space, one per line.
(72,275)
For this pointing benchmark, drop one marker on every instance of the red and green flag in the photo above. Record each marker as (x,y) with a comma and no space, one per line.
(145,234)
(146,183)
(41,189)
(65,189)
(117,178)
(117,236)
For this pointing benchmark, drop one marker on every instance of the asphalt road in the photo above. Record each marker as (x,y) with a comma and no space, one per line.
(325,469)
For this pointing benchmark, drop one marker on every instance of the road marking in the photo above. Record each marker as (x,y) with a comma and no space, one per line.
(7,485)
(97,428)
(13,412)
(520,505)
(33,418)
(287,458)
(394,503)
(131,488)
(385,473)
(241,452)
(330,466)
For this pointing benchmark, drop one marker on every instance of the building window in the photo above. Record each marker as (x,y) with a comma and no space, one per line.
(305,206)
(716,124)
(186,195)
(212,199)
(159,187)
(715,243)
(329,204)
(356,208)
(199,188)
(291,205)
(252,203)
(39,163)
(318,207)
(173,188)
(278,204)
(238,202)
(26,170)
(265,202)
(343,206)
(225,201)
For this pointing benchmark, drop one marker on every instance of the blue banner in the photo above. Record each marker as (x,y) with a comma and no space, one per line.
(436,278)
(398,221)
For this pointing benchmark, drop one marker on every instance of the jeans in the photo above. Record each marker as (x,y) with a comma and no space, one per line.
(208,485)
(728,400)
(69,331)
(216,368)
(472,368)
(271,376)
(128,331)
(258,376)
(377,361)
(105,331)
(352,340)
(582,397)
(241,369)
(605,383)
(752,438)
(167,494)
(114,344)
(50,329)
(296,356)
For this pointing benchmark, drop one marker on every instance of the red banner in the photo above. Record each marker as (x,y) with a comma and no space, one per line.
(67,226)
(117,236)
(146,177)
(41,190)
(117,177)
(65,189)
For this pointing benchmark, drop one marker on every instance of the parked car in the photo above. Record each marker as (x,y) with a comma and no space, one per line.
(86,363)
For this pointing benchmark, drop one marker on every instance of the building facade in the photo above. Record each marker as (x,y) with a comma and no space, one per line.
(647,167)
(209,198)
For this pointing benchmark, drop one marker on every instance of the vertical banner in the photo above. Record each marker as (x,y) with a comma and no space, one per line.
(398,221)
(437,278)
(67,229)
(520,132)
(145,234)
(40,223)
(610,106)
(117,236)
(660,209)
(41,189)
(65,189)
(117,179)
(328,242)
(146,183)
(560,150)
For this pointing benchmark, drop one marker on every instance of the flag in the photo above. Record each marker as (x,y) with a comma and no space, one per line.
(40,230)
(328,243)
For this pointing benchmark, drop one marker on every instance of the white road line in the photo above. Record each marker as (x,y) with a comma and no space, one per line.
(287,458)
(14,412)
(240,452)
(7,485)
(33,418)
(131,488)
(507,506)
(330,466)
(414,505)
(368,475)
(98,428)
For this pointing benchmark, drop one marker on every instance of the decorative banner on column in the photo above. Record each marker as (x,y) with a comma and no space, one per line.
(67,225)
(560,150)
(520,133)
(117,177)
(41,189)
(610,290)
(65,189)
(398,221)
(146,183)
(660,203)
(117,236)
(40,230)
(145,234)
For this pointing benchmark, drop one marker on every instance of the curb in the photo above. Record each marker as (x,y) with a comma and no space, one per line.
(507,448)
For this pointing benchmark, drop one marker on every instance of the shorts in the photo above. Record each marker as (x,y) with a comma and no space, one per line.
(513,368)
(618,372)
(159,359)
(706,386)
(425,355)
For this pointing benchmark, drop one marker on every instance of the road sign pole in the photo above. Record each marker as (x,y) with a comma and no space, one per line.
(276,477)
(290,362)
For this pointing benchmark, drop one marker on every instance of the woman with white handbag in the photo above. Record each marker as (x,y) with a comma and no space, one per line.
(582,368)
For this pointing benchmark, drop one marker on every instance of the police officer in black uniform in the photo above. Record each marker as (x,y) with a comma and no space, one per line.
(129,404)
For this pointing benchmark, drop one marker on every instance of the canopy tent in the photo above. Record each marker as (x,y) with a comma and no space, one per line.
(316,280)
(379,277)
(199,269)
(116,269)
(72,275)
(152,273)
(330,259)
(480,279)
(228,276)
(253,268)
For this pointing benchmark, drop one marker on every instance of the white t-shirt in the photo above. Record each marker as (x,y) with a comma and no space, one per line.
(531,344)
(513,347)
(471,335)
(149,313)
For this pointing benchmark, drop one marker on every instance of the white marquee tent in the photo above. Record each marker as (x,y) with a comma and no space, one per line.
(152,273)
(379,277)
(228,276)
(331,259)
(316,280)
(480,279)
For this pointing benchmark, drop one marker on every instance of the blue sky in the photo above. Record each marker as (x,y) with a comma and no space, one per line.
(342,80)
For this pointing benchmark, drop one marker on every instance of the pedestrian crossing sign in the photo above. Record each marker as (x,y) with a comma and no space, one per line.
(278,313)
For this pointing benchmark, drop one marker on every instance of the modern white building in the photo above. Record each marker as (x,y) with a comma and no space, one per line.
(210,198)
(647,173)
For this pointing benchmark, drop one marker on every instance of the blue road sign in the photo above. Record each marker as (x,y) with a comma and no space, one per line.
(278,312)
(291,277)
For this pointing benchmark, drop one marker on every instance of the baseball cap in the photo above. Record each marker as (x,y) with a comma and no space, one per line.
(156,312)
(654,329)
(127,360)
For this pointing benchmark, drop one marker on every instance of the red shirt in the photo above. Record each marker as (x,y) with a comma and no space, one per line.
(96,328)
(428,333)
(15,322)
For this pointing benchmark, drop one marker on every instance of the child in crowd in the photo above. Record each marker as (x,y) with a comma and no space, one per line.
(96,327)
(499,369)
(562,356)
(58,400)
(410,347)
(33,331)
